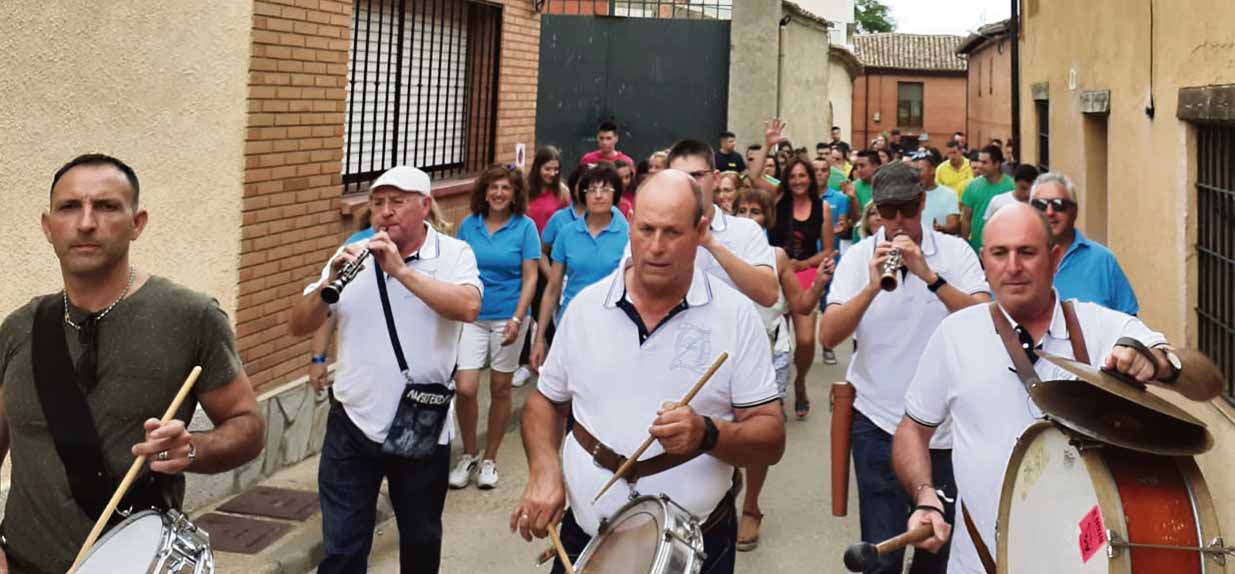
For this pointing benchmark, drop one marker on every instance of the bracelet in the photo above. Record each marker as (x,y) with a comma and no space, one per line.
(931,508)
(319,359)
(918,489)
(516,320)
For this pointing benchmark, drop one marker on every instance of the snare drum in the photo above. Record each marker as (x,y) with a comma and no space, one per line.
(151,542)
(649,535)
(1070,504)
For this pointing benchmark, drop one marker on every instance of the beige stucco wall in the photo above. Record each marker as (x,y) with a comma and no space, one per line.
(161,85)
(840,94)
(804,83)
(1151,199)
(752,68)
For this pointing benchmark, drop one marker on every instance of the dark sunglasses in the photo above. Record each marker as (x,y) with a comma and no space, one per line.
(1059,204)
(889,210)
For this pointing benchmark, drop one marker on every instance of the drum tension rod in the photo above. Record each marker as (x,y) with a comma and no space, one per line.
(1216,548)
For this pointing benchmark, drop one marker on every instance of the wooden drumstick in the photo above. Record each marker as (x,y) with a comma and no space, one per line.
(561,550)
(130,476)
(630,462)
(863,555)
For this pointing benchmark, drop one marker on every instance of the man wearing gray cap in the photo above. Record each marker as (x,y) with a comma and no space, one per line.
(390,406)
(938,274)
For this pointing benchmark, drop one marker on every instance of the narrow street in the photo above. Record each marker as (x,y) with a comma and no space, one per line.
(799,533)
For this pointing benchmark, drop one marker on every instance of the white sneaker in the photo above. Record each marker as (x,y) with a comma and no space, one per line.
(463,471)
(488,475)
(521,377)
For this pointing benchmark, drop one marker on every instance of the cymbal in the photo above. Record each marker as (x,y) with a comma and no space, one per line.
(1112,409)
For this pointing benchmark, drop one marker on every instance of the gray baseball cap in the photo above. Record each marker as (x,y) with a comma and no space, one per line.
(896,182)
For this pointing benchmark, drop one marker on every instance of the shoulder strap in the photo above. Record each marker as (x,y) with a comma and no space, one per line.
(1075,335)
(984,553)
(1024,369)
(390,323)
(67,413)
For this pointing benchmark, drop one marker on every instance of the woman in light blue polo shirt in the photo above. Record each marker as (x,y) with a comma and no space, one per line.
(506,245)
(586,250)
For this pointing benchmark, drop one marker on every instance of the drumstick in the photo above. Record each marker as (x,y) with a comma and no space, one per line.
(561,550)
(863,555)
(132,474)
(622,470)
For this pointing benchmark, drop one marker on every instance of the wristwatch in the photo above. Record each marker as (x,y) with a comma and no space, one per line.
(938,284)
(711,434)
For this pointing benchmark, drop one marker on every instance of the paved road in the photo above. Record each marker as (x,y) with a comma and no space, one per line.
(799,532)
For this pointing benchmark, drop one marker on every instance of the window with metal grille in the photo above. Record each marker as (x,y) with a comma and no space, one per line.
(422,88)
(1215,248)
(682,9)
(909,105)
(1043,108)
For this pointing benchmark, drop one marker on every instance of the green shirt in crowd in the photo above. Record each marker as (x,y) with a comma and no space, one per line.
(864,192)
(835,178)
(977,195)
(147,345)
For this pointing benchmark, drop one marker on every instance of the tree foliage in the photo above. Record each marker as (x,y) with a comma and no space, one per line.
(872,16)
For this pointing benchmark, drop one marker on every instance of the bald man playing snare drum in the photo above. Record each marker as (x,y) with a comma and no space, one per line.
(973,385)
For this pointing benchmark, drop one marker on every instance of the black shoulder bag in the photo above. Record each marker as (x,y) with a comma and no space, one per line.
(71,423)
(422,407)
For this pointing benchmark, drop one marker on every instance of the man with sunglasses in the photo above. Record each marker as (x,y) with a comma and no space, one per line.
(939,275)
(86,373)
(973,387)
(1089,271)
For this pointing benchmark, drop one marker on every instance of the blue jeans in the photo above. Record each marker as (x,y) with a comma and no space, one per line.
(719,540)
(349,477)
(883,506)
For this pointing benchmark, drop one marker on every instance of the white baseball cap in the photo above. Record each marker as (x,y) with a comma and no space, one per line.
(405,178)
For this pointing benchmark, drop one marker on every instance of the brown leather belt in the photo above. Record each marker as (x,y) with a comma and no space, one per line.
(607,459)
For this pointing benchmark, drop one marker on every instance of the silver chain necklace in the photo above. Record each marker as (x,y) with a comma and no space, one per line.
(132,275)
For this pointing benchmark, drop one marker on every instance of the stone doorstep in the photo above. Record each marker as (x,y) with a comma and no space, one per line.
(300,550)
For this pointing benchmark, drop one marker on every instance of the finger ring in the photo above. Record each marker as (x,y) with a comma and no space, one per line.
(162,456)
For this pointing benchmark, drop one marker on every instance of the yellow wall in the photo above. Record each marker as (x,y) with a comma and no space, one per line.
(161,85)
(1150,194)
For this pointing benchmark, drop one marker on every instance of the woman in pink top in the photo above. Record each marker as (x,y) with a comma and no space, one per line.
(545,193)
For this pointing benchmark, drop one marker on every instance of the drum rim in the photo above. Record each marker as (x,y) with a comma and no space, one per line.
(664,542)
(115,530)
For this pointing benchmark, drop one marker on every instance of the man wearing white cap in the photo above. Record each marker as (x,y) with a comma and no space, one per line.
(399,321)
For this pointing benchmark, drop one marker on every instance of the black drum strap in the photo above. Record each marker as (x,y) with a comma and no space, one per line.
(67,412)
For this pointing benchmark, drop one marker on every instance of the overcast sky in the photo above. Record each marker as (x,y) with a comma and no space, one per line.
(958,17)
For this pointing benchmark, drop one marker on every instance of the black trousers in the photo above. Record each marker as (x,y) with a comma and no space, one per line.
(719,539)
(349,477)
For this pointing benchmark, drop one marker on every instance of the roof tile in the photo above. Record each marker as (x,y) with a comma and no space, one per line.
(909,52)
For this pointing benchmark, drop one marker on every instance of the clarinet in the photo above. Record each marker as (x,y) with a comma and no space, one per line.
(331,292)
(888,280)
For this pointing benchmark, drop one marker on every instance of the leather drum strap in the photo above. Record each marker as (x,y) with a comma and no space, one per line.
(988,563)
(606,458)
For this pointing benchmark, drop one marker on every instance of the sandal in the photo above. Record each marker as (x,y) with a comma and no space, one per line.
(801,408)
(748,531)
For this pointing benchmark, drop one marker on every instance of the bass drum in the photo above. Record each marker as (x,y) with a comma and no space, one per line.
(1072,505)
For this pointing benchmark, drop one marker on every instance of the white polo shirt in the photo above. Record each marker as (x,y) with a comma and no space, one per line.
(616,384)
(892,334)
(743,237)
(367,381)
(971,382)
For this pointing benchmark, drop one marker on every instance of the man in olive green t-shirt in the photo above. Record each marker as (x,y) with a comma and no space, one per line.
(991,181)
(131,339)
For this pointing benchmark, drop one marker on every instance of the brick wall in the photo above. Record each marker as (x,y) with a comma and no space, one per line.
(294,211)
(293,185)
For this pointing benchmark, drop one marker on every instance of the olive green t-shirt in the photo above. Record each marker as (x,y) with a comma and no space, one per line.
(147,345)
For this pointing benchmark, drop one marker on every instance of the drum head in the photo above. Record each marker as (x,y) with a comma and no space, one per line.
(130,546)
(1049,506)
(630,543)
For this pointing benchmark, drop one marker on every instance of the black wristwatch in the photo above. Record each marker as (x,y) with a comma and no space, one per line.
(938,284)
(711,434)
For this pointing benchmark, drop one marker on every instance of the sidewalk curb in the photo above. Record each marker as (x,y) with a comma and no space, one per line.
(302,549)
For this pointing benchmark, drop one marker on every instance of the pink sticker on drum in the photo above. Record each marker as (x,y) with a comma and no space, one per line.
(1093,534)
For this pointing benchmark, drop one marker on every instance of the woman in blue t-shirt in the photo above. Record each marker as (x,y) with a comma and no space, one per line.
(584,251)
(507,247)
